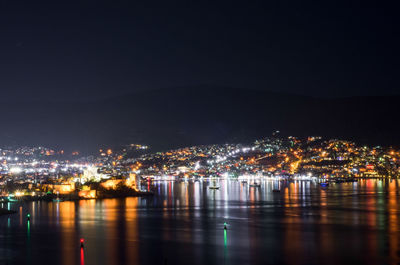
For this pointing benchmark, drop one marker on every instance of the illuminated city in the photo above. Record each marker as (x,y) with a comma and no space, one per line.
(199,132)
(42,173)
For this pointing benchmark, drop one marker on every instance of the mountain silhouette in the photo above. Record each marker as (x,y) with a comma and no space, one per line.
(176,117)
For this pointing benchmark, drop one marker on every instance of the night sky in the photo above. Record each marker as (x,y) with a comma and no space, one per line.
(93,49)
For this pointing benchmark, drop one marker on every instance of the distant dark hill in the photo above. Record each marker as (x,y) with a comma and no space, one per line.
(178,117)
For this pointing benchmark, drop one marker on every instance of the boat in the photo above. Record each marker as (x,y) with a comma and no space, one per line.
(10,199)
(58,198)
(214,185)
(277,187)
(255,185)
(324,184)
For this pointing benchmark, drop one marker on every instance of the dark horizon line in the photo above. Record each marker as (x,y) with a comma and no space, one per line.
(194,87)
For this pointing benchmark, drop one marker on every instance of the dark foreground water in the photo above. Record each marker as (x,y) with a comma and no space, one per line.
(349,223)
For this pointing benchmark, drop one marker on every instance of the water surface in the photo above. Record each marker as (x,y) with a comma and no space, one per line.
(348,223)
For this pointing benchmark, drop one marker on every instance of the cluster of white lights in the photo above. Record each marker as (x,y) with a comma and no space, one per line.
(8,158)
(223,158)
(15,170)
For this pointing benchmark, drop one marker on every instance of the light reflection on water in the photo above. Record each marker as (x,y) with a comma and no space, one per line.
(355,223)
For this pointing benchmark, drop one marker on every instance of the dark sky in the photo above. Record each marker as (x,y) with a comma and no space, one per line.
(93,49)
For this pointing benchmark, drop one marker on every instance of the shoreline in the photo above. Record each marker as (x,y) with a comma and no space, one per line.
(73,197)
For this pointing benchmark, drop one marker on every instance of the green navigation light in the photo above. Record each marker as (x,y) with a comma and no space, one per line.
(225,238)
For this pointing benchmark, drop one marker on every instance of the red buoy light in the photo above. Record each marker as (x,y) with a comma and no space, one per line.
(82,240)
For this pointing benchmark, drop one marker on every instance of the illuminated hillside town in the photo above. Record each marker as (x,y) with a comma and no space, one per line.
(42,173)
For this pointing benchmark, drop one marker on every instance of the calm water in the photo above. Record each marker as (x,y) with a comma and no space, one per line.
(349,223)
